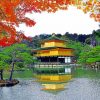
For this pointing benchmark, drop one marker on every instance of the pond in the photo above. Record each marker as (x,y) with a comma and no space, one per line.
(79,88)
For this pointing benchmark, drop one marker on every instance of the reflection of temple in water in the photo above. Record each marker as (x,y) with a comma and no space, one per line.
(54,60)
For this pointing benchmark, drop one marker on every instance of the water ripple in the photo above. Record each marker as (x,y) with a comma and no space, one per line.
(76,89)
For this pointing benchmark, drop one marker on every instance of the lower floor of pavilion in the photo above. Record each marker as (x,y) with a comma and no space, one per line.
(58,59)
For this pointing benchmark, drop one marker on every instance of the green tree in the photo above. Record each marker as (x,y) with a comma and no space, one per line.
(1,69)
(3,64)
(18,53)
(90,56)
(94,55)
(77,46)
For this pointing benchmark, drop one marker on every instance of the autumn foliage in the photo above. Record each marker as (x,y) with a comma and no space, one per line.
(12,13)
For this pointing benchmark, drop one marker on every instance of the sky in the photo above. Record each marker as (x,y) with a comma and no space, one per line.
(71,20)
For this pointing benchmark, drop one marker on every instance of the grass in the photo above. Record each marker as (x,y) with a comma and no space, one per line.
(86,73)
(27,73)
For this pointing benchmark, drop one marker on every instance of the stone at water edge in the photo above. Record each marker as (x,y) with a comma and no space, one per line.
(7,83)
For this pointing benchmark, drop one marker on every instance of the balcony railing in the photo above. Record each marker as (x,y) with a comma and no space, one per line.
(51,65)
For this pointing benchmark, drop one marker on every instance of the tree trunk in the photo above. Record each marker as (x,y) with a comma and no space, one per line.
(12,70)
(1,74)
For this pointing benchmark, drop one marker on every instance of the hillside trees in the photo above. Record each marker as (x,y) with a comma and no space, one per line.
(90,56)
(77,46)
(97,36)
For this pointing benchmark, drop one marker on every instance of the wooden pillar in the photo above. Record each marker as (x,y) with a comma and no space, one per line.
(57,59)
(49,59)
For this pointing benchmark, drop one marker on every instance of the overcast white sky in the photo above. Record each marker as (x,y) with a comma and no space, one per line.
(71,20)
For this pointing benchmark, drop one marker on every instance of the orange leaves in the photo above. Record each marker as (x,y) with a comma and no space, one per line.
(28,21)
(91,6)
(92,15)
(15,2)
(6,41)
(9,40)
(8,28)
(60,2)
(51,5)
(6,7)
(12,13)
(13,10)
(6,35)
(96,17)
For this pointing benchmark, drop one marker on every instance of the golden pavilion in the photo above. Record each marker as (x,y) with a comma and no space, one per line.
(54,60)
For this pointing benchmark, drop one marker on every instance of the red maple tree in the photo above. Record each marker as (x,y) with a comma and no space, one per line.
(12,13)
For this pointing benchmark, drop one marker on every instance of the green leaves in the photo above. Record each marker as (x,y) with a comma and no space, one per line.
(26,57)
(91,56)
(4,61)
(17,53)
(77,46)
(3,65)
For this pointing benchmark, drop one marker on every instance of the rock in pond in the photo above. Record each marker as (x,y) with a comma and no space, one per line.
(7,83)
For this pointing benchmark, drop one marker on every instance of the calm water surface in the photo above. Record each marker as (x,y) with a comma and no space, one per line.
(76,89)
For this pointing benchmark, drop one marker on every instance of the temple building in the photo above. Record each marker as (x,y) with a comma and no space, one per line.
(54,59)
